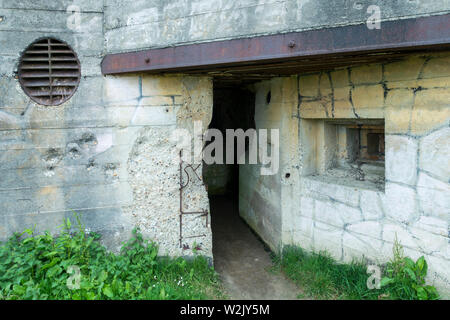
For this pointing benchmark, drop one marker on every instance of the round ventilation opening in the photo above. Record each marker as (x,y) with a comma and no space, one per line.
(49,71)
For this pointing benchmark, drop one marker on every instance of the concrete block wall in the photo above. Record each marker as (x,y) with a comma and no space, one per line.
(357,220)
(103,153)
(265,200)
(132,25)
(57,159)
(350,219)
(150,108)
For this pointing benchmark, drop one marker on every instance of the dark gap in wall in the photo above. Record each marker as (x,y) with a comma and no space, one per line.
(233,108)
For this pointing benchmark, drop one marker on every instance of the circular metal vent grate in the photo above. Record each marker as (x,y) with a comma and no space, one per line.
(49,71)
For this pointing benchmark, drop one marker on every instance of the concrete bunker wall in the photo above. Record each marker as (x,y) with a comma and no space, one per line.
(57,159)
(307,204)
(131,24)
(265,199)
(150,108)
(352,218)
(104,152)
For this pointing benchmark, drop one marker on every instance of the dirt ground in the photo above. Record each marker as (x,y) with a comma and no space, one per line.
(241,259)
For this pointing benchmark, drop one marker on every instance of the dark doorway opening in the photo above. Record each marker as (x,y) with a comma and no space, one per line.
(233,108)
(240,257)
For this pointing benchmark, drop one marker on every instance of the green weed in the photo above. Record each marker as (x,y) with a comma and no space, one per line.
(406,279)
(321,277)
(46,267)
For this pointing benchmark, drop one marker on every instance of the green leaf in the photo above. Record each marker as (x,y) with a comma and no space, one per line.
(19,290)
(50,254)
(385,281)
(162,294)
(409,263)
(76,296)
(107,291)
(420,263)
(103,276)
(127,287)
(148,293)
(422,266)
(421,293)
(51,264)
(90,295)
(411,273)
(432,292)
(53,271)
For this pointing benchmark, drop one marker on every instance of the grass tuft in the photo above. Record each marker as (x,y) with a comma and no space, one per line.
(321,277)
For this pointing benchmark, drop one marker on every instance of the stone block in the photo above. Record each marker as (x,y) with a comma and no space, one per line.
(399,104)
(62,5)
(322,189)
(309,85)
(432,225)
(304,226)
(143,116)
(401,159)
(84,44)
(437,67)
(162,86)
(431,110)
(366,74)
(358,247)
(340,79)
(403,84)
(439,275)
(315,109)
(343,109)
(368,101)
(307,207)
(305,243)
(158,101)
(328,238)
(342,93)
(434,153)
(433,196)
(431,243)
(393,230)
(25,19)
(371,229)
(12,98)
(336,214)
(325,86)
(438,82)
(400,203)
(371,204)
(407,69)
(121,88)
(326,212)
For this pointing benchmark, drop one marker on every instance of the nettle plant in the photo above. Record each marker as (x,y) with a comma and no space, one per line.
(42,267)
(406,279)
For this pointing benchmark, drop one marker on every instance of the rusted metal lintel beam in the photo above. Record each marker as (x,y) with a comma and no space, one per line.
(407,34)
